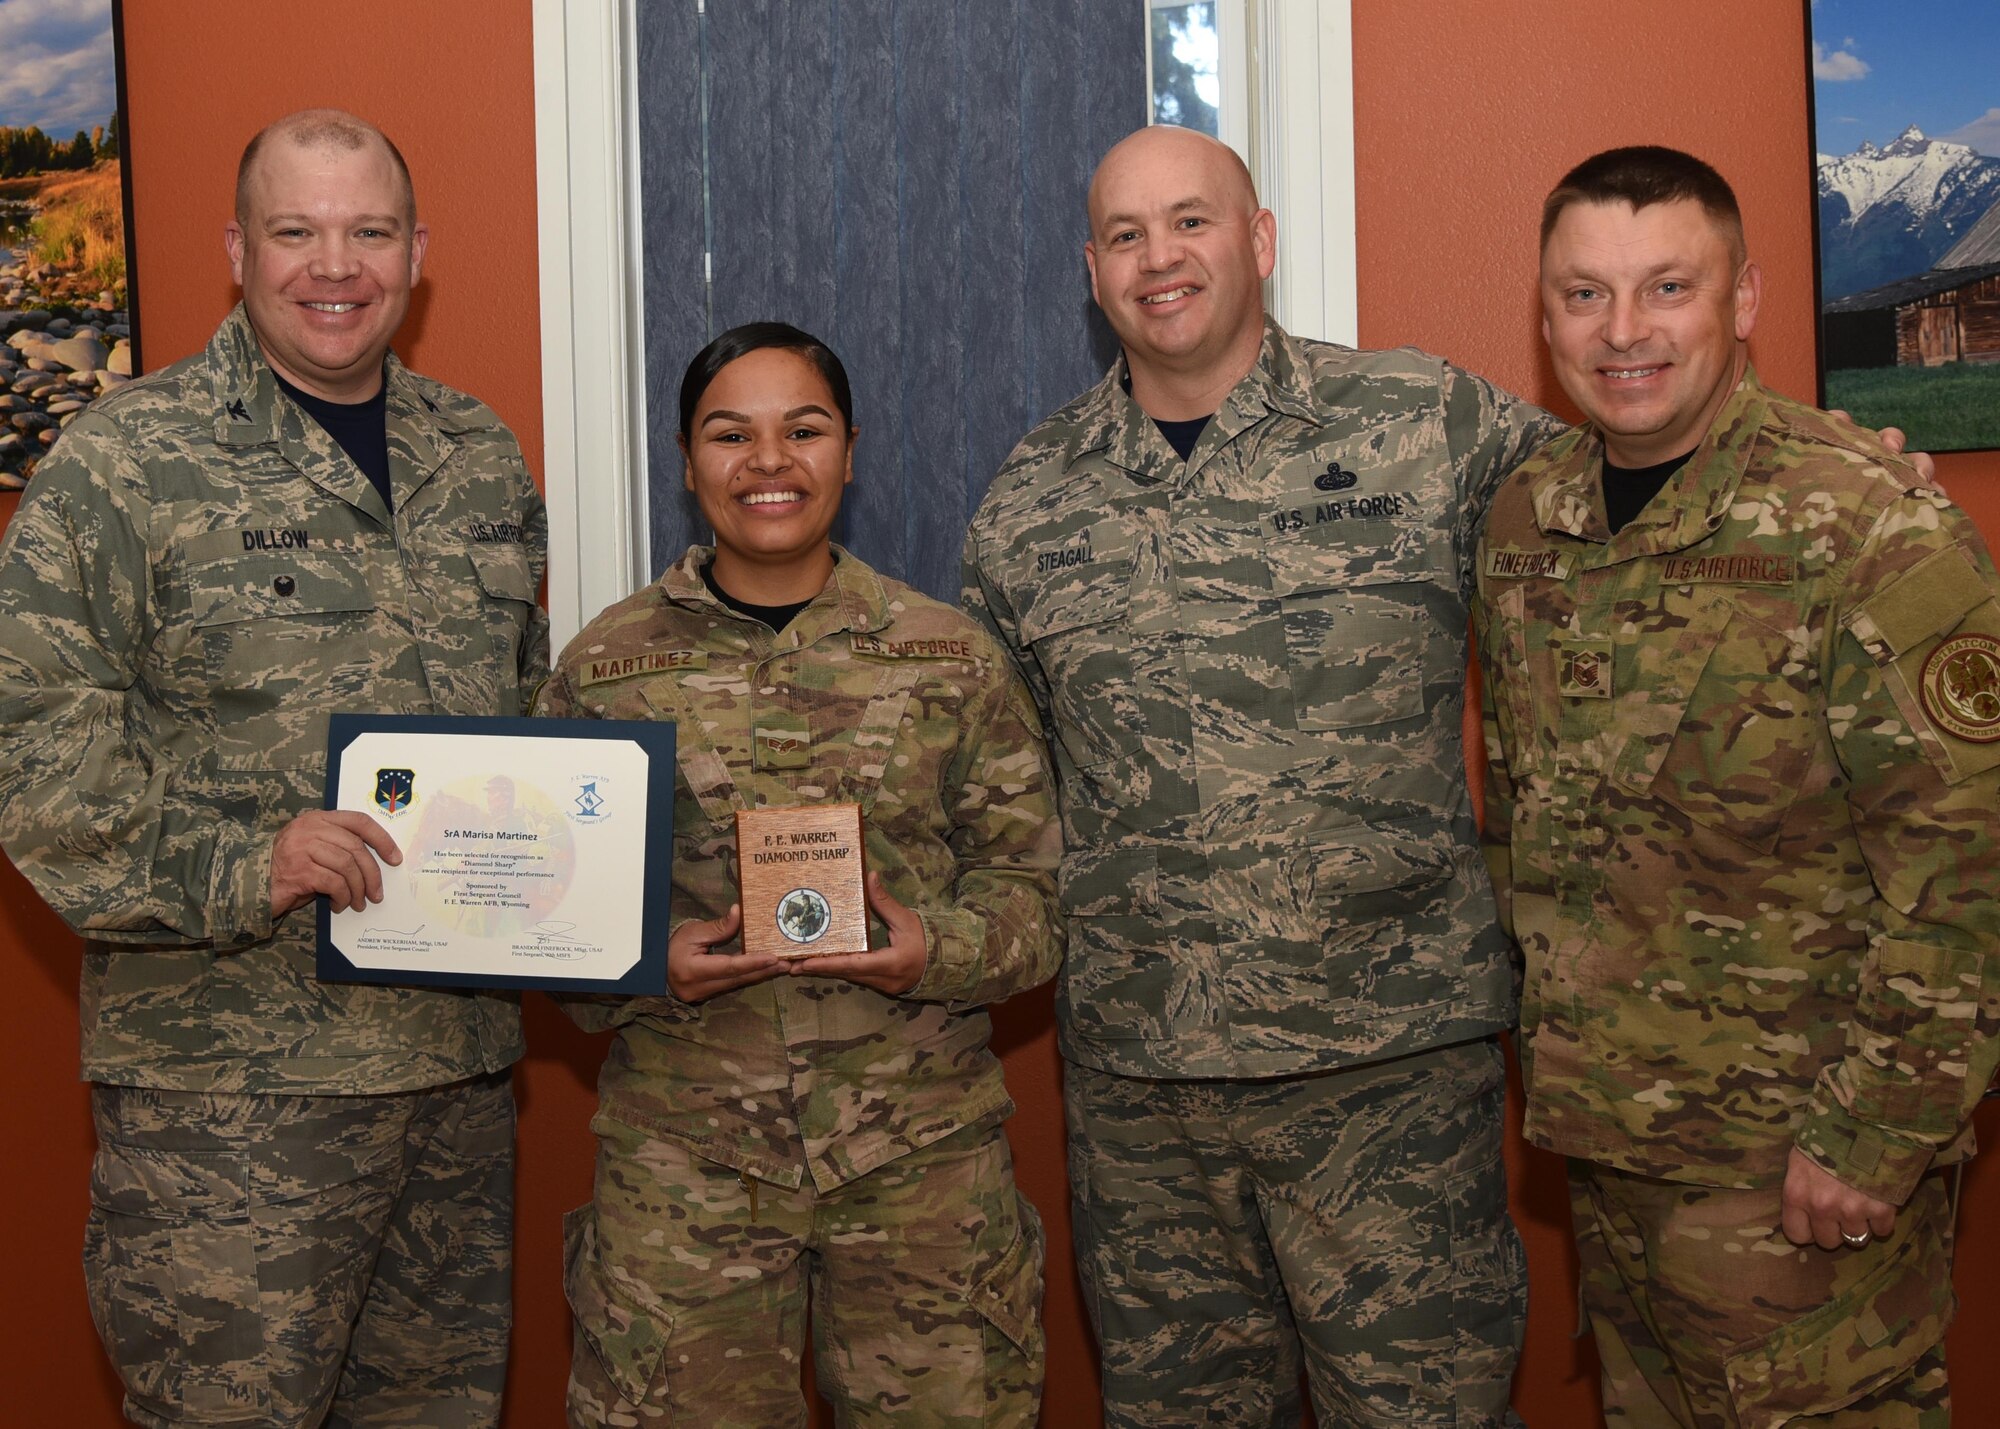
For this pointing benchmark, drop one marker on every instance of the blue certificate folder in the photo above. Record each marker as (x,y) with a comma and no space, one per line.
(401,786)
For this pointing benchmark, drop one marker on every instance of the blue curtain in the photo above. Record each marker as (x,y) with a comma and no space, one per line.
(905,179)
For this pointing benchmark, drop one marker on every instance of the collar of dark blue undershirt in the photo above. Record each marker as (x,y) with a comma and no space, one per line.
(775,616)
(1181,436)
(1628,490)
(360,428)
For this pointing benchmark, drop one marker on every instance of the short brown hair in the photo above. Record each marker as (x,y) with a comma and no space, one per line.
(320,129)
(1643,174)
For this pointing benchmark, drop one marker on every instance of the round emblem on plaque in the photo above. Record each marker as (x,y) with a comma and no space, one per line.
(803,915)
(1960,687)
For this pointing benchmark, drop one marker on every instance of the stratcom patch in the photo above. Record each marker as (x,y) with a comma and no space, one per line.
(1960,688)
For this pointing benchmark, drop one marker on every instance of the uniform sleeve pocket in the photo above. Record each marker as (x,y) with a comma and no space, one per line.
(629,1341)
(1913,1027)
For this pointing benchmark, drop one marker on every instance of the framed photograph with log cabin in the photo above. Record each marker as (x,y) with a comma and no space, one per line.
(66,283)
(1905,102)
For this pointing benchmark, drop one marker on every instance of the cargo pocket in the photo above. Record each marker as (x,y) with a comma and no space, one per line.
(170,1259)
(1855,1344)
(1489,1303)
(1117,982)
(1008,1298)
(1374,888)
(627,1342)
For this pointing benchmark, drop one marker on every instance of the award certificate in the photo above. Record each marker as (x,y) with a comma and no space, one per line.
(534,852)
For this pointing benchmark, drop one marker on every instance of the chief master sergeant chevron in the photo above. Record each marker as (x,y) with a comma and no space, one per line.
(301,1207)
(1743,729)
(1235,575)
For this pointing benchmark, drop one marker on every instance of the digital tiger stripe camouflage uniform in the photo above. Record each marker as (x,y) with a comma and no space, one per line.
(810,1136)
(196,578)
(1743,817)
(1253,666)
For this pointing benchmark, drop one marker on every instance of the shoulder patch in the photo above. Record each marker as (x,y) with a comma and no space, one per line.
(1960,688)
(1928,600)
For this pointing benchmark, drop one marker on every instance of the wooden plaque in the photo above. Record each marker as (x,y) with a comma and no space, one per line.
(799,870)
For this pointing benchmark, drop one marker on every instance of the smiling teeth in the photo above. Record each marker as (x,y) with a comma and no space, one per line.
(1630,371)
(331,307)
(770,498)
(1167,297)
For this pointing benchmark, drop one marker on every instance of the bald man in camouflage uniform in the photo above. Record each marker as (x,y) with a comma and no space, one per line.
(301,1206)
(1285,981)
(808,1137)
(1743,729)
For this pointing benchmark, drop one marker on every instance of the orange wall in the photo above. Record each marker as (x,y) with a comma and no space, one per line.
(1460,126)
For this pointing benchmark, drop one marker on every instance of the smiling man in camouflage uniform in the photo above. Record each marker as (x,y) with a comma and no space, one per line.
(1743,727)
(1236,577)
(302,1199)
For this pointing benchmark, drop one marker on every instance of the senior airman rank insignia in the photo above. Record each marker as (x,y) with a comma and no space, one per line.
(1586,668)
(1960,688)
(782,747)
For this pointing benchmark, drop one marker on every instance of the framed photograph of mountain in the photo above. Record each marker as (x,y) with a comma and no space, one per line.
(1906,140)
(66,306)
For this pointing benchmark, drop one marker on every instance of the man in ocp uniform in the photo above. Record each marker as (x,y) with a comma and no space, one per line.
(1744,811)
(301,1206)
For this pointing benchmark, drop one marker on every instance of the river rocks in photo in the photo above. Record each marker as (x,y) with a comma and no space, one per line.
(120,360)
(61,347)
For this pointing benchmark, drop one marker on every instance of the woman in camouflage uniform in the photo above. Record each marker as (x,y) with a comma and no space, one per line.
(825,1131)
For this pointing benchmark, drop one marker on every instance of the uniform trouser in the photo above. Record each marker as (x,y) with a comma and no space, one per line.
(1705,1315)
(305,1260)
(689,1285)
(1358,1216)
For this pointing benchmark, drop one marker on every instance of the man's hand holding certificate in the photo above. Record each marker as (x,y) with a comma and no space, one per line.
(524,852)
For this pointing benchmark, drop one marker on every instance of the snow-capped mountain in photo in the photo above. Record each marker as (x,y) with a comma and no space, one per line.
(1892,212)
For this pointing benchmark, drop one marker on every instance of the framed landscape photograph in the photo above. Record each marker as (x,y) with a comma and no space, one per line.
(66,283)
(1906,139)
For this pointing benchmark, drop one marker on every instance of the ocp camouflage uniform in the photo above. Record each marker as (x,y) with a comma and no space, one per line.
(198,576)
(811,1134)
(1745,802)
(1253,664)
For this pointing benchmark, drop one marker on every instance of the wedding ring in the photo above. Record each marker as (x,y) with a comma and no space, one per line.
(1855,1240)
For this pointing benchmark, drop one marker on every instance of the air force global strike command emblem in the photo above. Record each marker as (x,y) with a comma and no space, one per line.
(395,790)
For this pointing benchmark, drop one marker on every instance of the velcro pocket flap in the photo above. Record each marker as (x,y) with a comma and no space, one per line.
(264,587)
(1929,599)
(504,572)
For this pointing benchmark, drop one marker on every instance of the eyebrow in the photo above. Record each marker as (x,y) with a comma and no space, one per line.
(372,220)
(1113,220)
(723,414)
